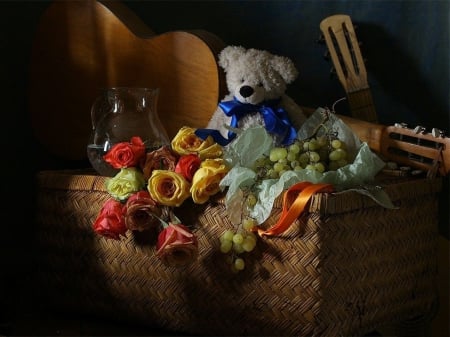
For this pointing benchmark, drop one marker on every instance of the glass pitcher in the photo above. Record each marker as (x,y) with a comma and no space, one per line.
(119,114)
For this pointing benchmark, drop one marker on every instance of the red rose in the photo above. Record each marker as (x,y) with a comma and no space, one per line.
(126,154)
(177,245)
(141,212)
(110,222)
(161,159)
(187,165)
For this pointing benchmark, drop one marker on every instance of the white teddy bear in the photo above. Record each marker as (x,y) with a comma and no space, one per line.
(257,80)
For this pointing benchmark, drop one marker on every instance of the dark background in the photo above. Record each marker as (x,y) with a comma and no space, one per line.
(406,44)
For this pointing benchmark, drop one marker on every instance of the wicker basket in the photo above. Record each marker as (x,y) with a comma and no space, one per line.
(352,267)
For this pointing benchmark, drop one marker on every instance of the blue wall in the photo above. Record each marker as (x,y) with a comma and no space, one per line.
(406,44)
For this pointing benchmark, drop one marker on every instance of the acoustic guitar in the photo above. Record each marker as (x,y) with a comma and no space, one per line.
(416,147)
(82,47)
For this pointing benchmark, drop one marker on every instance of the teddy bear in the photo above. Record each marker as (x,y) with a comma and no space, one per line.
(257,82)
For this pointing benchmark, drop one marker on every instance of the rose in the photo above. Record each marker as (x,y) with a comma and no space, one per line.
(125,183)
(161,159)
(168,188)
(206,180)
(177,245)
(125,154)
(109,222)
(141,212)
(186,142)
(187,165)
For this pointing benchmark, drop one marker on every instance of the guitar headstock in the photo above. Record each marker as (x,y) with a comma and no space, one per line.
(418,148)
(343,49)
(339,35)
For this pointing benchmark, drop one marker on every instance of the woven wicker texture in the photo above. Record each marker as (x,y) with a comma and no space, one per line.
(351,266)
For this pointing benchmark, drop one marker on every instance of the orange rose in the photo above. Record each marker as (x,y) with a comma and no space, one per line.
(161,159)
(110,222)
(141,212)
(177,245)
(125,154)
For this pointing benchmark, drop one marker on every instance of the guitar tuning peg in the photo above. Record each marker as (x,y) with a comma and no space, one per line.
(326,55)
(437,133)
(321,39)
(419,129)
(401,125)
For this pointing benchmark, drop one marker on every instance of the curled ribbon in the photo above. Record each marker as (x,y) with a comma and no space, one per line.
(302,192)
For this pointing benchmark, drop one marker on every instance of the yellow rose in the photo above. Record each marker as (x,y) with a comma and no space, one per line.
(126,182)
(168,188)
(187,142)
(206,180)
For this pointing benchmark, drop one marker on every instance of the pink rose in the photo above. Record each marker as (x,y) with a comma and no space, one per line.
(126,154)
(177,245)
(110,222)
(187,165)
(141,212)
(161,159)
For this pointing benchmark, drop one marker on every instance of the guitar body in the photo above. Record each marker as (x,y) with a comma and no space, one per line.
(81,47)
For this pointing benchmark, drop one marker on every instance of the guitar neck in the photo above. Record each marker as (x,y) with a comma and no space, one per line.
(362,106)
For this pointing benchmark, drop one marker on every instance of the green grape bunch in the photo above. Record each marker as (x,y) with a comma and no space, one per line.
(320,153)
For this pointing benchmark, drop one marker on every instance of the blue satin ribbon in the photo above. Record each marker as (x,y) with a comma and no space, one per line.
(276,120)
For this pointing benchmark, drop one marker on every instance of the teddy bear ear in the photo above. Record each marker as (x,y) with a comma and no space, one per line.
(285,67)
(229,55)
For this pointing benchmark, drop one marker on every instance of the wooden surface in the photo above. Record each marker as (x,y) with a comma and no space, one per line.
(81,47)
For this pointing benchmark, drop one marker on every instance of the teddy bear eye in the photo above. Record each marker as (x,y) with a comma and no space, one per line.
(242,80)
(260,84)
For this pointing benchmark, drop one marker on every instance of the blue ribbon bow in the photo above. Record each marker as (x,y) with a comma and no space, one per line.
(276,120)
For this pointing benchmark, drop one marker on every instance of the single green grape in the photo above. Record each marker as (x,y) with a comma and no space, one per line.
(320,167)
(251,200)
(314,156)
(225,246)
(277,153)
(228,235)
(237,248)
(277,167)
(239,263)
(248,223)
(294,148)
(336,144)
(249,244)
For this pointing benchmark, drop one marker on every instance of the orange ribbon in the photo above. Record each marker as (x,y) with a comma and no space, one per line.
(302,192)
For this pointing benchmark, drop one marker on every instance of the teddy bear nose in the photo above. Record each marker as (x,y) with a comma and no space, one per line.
(246,91)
